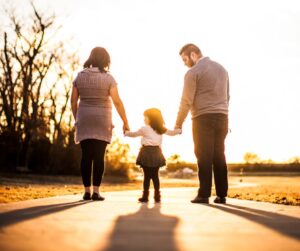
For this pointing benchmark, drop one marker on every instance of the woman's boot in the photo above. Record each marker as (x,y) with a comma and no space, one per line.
(145,197)
(157,196)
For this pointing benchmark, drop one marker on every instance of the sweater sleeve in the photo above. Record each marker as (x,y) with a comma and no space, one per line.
(173,132)
(75,81)
(187,98)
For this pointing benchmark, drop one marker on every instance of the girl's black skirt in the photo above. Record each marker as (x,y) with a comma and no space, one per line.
(150,156)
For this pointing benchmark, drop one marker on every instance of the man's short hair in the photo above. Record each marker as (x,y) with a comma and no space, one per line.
(189,48)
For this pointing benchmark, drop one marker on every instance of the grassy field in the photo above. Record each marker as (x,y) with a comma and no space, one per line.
(275,189)
(23,187)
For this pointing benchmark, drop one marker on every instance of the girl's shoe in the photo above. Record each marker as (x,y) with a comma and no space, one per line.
(157,196)
(97,196)
(144,197)
(86,196)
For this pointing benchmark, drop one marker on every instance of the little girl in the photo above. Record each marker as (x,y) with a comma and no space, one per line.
(150,157)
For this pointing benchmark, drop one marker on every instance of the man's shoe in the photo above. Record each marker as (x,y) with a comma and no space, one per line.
(86,196)
(220,200)
(97,196)
(200,200)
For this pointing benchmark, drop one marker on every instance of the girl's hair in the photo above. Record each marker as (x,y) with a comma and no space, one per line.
(100,58)
(156,120)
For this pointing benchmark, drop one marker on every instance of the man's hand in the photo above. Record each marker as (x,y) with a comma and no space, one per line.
(179,128)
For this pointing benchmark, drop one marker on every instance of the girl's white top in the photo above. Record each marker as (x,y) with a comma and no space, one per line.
(150,137)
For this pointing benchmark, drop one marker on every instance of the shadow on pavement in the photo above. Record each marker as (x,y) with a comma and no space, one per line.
(147,229)
(283,224)
(19,215)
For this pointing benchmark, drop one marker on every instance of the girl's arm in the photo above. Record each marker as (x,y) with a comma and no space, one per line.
(173,132)
(134,134)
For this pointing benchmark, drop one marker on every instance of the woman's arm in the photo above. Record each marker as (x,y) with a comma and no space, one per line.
(74,101)
(119,106)
(173,132)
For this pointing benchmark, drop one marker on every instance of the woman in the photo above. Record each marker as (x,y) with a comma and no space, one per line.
(95,88)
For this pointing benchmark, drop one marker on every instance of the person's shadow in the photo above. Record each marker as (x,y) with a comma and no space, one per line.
(283,224)
(19,215)
(147,229)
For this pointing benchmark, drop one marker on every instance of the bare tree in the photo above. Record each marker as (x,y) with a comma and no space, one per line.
(35,81)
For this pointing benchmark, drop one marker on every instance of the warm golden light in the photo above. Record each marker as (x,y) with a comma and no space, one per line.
(257,41)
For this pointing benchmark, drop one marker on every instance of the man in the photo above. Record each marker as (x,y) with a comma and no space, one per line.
(206,95)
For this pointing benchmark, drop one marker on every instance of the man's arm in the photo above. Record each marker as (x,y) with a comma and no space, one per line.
(187,98)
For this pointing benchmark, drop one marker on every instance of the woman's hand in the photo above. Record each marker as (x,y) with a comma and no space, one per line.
(125,127)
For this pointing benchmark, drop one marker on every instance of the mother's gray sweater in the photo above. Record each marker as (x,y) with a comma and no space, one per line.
(206,90)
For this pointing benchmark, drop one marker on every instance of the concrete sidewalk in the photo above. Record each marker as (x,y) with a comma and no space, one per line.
(120,224)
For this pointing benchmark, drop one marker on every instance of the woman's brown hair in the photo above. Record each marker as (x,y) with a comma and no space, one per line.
(100,58)
(156,120)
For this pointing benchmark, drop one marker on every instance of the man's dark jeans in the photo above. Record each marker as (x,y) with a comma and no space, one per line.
(209,133)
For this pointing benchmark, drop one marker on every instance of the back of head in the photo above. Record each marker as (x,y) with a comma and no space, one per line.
(99,58)
(156,120)
(189,48)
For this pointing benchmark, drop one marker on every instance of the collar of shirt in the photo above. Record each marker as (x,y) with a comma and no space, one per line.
(200,59)
(93,69)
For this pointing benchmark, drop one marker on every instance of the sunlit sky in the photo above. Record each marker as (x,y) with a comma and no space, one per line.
(257,41)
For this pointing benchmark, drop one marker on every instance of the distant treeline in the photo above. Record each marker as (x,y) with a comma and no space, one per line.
(243,167)
(265,167)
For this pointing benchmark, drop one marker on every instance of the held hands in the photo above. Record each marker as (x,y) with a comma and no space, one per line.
(125,127)
(178,129)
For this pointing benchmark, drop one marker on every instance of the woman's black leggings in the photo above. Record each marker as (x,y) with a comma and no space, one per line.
(93,152)
(151,173)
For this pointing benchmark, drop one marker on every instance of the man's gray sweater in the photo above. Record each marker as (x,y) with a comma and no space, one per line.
(206,90)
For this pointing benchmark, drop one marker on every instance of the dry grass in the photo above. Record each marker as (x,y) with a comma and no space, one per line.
(279,189)
(24,187)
